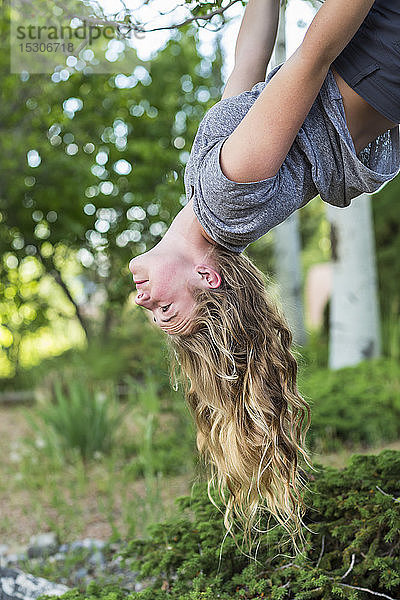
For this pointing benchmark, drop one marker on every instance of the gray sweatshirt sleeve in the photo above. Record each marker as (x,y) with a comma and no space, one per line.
(322,160)
(236,213)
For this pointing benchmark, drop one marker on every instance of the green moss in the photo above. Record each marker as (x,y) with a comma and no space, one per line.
(352,529)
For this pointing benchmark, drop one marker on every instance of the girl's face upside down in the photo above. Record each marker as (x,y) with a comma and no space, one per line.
(166,275)
(163,283)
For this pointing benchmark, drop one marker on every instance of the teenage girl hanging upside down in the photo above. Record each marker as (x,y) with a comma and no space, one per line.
(325,122)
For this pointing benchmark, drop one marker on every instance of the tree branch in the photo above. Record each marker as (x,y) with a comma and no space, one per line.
(362,589)
(55,273)
(322,551)
(207,17)
(353,558)
(386,494)
(128,24)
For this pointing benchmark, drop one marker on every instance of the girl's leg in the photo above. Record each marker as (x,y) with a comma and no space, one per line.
(370,63)
(365,123)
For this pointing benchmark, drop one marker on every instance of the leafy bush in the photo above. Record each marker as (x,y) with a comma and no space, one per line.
(353,406)
(129,351)
(79,419)
(353,540)
(169,450)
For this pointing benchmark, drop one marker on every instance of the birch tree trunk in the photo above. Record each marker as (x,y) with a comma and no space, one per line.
(354,309)
(287,240)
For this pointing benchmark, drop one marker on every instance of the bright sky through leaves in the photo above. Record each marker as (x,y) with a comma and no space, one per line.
(298,16)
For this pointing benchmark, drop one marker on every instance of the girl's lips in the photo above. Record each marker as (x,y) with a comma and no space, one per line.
(139,282)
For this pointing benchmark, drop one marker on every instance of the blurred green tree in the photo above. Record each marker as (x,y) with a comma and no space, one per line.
(92,170)
(386,213)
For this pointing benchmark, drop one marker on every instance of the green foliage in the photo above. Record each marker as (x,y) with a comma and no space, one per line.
(130,352)
(134,364)
(109,592)
(22,307)
(314,233)
(79,419)
(353,406)
(353,540)
(157,449)
(387,234)
(77,207)
(391,328)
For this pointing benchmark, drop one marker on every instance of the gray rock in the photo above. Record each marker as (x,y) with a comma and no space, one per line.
(14,558)
(17,585)
(115,563)
(43,545)
(80,576)
(80,573)
(145,583)
(97,559)
(93,544)
(60,556)
(76,545)
(3,549)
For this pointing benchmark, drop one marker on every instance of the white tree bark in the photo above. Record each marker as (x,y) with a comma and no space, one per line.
(287,240)
(354,308)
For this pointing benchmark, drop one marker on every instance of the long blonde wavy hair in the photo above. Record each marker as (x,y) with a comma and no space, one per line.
(239,377)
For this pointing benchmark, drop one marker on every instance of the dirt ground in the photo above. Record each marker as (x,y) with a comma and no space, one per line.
(19,517)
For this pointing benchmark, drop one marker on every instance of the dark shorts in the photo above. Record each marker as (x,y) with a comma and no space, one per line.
(370,63)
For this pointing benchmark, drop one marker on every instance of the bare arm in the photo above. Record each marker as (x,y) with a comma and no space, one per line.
(254,45)
(334,25)
(261,141)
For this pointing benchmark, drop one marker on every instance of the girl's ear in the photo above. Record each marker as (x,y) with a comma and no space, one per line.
(210,277)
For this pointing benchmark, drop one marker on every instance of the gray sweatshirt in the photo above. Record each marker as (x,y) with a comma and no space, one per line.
(322,160)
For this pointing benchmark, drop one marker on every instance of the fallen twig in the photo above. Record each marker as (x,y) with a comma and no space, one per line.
(386,494)
(356,587)
(322,552)
(353,558)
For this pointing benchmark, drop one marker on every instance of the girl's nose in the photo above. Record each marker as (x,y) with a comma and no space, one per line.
(142,297)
